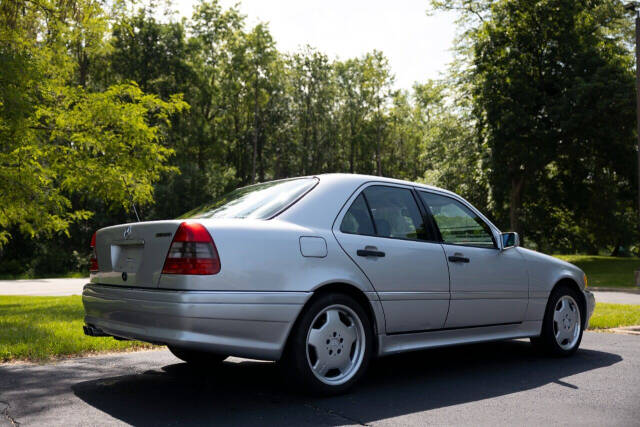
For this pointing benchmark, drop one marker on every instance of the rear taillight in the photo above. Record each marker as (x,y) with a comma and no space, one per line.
(192,251)
(93,261)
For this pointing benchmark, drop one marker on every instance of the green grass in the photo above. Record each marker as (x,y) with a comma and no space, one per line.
(605,271)
(614,315)
(45,328)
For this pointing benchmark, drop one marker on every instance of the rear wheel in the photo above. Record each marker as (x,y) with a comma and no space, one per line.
(562,325)
(330,345)
(196,357)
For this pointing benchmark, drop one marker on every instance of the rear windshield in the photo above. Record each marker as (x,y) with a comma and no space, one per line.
(259,201)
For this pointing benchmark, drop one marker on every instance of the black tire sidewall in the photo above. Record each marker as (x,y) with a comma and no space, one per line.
(296,354)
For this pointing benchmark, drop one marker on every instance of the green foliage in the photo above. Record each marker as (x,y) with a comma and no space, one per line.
(45,328)
(58,138)
(605,271)
(551,85)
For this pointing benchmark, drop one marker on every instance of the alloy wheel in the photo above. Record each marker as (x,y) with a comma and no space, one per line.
(566,322)
(335,344)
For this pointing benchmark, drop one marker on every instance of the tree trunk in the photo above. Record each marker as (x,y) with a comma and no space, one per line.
(83,68)
(616,249)
(255,135)
(352,154)
(515,204)
(378,162)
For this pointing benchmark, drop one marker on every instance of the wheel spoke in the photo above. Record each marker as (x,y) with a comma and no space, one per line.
(316,338)
(564,309)
(572,329)
(333,321)
(557,317)
(350,335)
(344,363)
(321,367)
(561,335)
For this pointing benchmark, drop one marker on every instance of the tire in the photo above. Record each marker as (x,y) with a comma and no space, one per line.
(564,313)
(197,357)
(330,346)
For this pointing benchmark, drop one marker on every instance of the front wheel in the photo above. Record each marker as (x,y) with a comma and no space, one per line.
(330,345)
(562,325)
(196,357)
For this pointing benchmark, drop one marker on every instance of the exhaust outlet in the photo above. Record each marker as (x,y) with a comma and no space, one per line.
(92,331)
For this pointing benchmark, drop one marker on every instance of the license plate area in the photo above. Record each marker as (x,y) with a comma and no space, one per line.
(126,256)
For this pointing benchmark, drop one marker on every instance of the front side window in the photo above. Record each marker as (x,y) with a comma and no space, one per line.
(458,224)
(259,201)
(393,210)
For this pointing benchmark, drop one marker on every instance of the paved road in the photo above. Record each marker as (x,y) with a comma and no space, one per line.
(50,287)
(617,297)
(57,287)
(500,383)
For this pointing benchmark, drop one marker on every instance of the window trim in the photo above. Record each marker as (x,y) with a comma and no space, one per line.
(430,231)
(366,202)
(293,202)
(434,231)
(468,206)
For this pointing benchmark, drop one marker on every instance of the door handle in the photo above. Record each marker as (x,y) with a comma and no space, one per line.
(369,252)
(458,258)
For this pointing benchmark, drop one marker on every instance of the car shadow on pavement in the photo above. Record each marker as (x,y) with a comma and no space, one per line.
(252,392)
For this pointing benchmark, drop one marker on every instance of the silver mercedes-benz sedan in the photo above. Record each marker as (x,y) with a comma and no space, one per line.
(324,273)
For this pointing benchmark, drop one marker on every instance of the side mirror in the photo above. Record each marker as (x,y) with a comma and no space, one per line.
(510,240)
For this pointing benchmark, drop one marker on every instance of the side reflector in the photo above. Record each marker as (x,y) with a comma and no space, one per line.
(192,251)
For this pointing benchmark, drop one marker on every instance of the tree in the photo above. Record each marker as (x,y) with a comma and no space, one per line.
(313,92)
(377,79)
(552,89)
(57,138)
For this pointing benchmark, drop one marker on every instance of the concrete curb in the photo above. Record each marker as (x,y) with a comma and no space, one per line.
(634,290)
(626,330)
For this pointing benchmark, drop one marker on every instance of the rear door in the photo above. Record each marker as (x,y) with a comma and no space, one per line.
(382,229)
(488,286)
(133,255)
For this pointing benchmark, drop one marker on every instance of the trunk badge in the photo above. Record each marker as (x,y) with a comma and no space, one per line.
(127,233)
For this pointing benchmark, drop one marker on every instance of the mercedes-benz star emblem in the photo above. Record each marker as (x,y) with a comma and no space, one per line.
(127,232)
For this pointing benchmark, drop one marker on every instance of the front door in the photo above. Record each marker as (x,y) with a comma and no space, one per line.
(488,286)
(383,231)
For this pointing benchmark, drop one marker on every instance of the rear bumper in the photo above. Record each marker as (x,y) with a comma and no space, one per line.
(245,324)
(591,305)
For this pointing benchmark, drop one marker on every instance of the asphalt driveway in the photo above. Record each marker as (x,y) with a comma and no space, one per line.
(43,287)
(503,383)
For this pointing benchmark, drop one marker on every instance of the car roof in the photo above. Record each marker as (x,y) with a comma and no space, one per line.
(361,179)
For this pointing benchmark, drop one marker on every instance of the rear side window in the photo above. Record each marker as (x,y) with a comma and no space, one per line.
(458,224)
(259,201)
(386,212)
(357,220)
(395,212)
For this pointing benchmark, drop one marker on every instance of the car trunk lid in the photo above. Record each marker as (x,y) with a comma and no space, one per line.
(133,255)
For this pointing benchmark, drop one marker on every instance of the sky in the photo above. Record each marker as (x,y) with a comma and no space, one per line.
(418,46)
